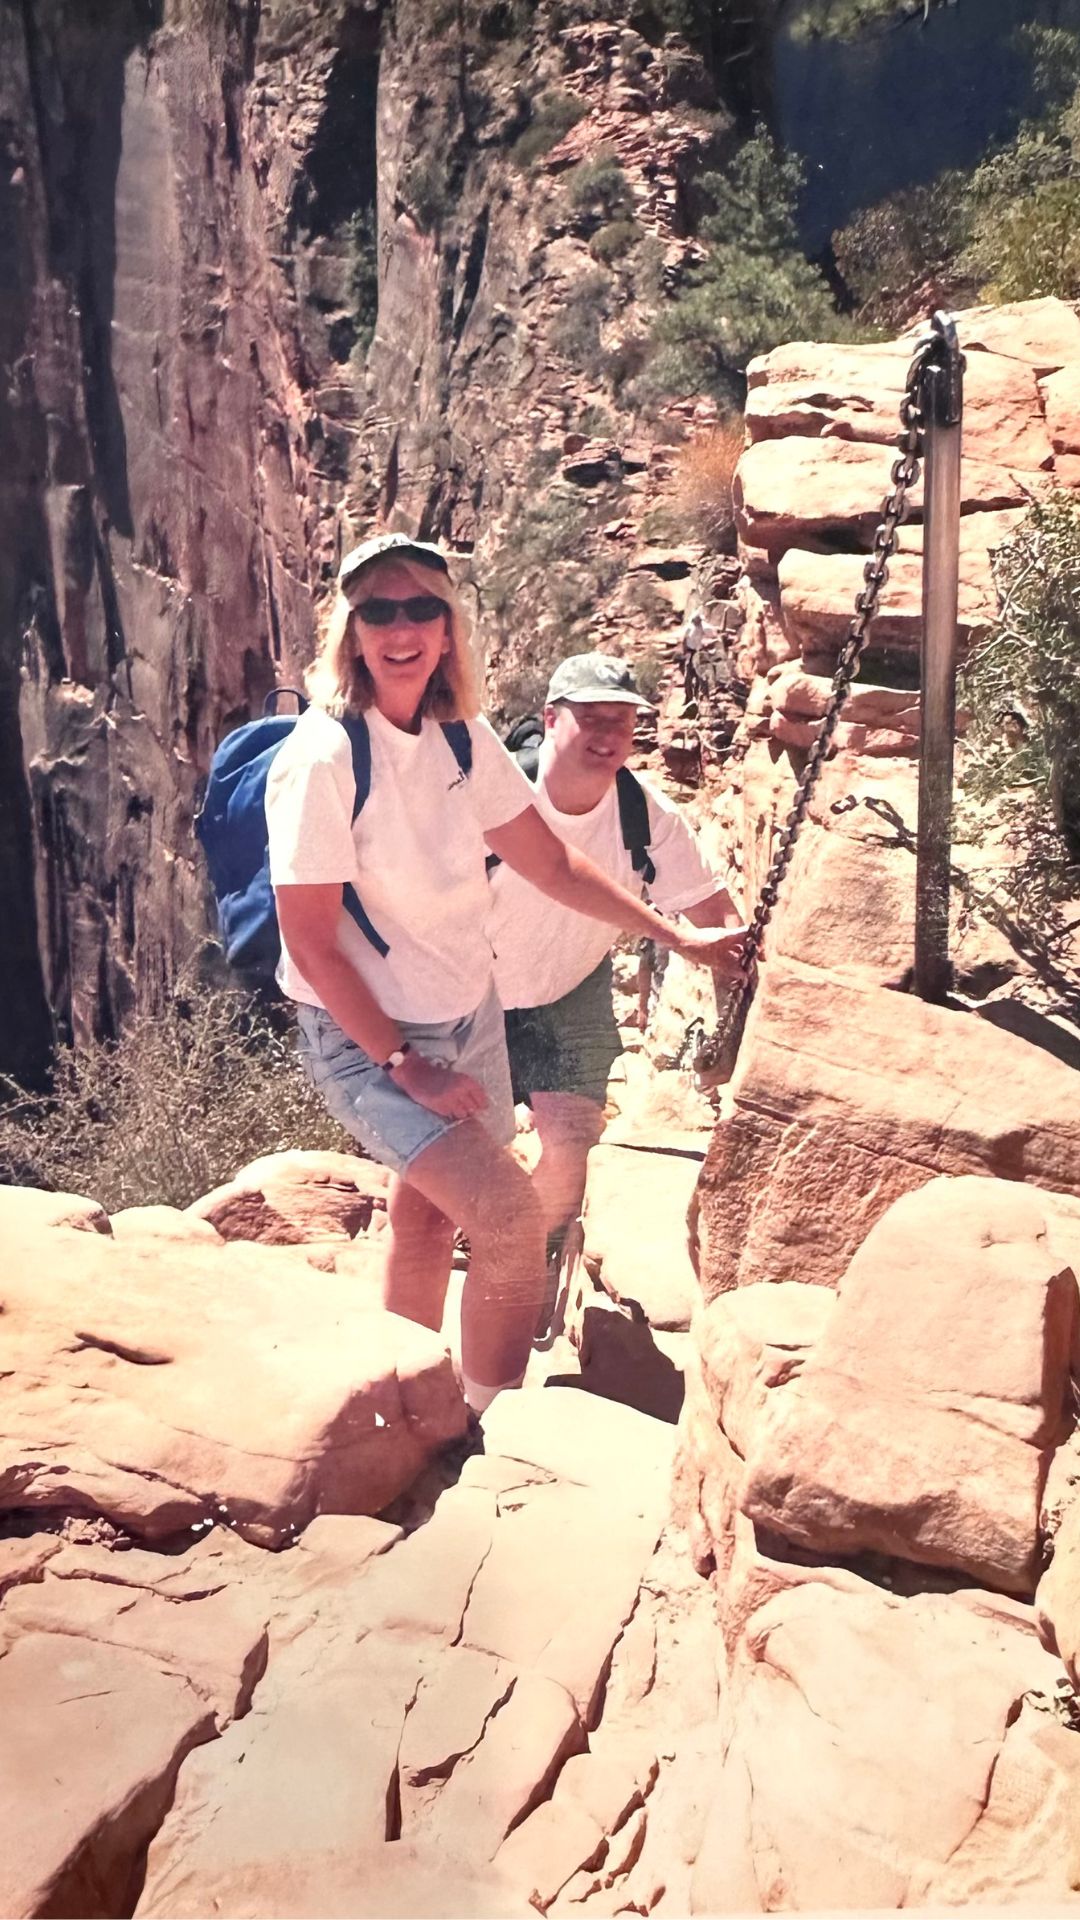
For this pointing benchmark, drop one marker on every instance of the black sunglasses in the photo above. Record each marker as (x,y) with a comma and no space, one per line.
(418,609)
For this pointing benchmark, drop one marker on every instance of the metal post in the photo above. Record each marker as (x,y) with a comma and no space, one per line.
(942,411)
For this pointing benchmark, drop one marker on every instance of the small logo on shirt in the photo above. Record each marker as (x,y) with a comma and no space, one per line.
(459,782)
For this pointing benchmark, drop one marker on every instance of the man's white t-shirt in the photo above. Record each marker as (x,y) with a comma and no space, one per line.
(542,949)
(415,854)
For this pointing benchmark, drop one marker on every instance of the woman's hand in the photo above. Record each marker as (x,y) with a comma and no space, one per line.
(453,1096)
(705,947)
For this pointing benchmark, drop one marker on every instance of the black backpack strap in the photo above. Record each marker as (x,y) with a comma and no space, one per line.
(274,695)
(360,741)
(634,821)
(459,740)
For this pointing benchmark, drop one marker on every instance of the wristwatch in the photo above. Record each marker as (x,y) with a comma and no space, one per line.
(395,1059)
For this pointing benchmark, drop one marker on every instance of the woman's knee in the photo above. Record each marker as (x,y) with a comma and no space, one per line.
(506,1203)
(410,1211)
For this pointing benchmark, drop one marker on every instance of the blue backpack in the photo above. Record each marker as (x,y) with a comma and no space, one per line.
(232,831)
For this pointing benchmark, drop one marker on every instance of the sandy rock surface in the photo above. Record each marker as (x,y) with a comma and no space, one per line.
(162,1390)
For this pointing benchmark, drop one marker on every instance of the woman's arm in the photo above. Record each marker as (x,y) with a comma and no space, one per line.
(529,846)
(309,917)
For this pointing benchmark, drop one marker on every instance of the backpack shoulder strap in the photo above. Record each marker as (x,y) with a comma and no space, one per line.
(360,741)
(634,821)
(459,740)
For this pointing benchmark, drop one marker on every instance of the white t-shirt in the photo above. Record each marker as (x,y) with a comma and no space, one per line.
(542,949)
(415,854)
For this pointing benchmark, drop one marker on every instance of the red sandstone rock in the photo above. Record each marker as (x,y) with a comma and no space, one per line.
(1061,398)
(157,1387)
(848,1095)
(825,391)
(105,1686)
(163,1223)
(785,490)
(635,1230)
(817,595)
(1058,1596)
(864,1737)
(287,1198)
(30,1209)
(749,1345)
(1044,334)
(921,1421)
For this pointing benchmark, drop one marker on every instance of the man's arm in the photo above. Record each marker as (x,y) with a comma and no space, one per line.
(719,910)
(529,846)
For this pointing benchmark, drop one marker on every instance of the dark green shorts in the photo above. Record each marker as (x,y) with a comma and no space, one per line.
(569,1046)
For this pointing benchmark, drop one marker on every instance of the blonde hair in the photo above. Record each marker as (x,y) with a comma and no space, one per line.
(339,681)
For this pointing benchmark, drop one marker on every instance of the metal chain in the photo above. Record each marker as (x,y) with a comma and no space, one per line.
(717,1052)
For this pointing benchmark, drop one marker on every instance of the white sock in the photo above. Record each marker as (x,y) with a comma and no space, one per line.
(479,1397)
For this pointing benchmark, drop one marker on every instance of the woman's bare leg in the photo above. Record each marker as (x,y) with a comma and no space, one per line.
(478,1186)
(421,1249)
(568,1126)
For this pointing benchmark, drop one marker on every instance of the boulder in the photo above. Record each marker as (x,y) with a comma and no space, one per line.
(921,1423)
(817,598)
(829,392)
(1042,334)
(166,1388)
(749,1345)
(788,490)
(864,1735)
(288,1198)
(163,1223)
(31,1209)
(848,1095)
(636,1205)
(622,1455)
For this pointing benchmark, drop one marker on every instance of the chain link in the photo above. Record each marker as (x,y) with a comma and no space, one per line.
(717,1051)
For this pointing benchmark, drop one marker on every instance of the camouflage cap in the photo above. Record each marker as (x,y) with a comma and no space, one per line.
(595,676)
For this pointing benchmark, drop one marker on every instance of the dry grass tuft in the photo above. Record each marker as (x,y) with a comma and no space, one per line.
(704,470)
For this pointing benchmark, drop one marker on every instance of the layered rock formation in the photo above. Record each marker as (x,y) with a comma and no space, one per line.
(512,1692)
(201,205)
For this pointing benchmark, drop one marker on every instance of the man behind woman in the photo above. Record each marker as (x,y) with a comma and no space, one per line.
(403,1034)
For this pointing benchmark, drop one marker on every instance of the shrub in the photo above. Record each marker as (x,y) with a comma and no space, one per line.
(650,672)
(599,190)
(846,19)
(1003,232)
(556,112)
(614,240)
(575,332)
(363,282)
(1031,248)
(918,233)
(425,190)
(1022,685)
(171,1110)
(596,423)
(754,288)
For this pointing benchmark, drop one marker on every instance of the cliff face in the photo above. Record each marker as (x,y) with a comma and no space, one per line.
(191,427)
(162,483)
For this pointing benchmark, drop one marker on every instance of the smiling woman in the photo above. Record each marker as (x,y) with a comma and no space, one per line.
(381,806)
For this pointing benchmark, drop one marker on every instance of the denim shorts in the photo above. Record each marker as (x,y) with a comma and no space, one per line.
(391,1127)
(569,1046)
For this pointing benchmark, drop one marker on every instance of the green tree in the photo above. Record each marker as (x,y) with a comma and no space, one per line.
(755,286)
